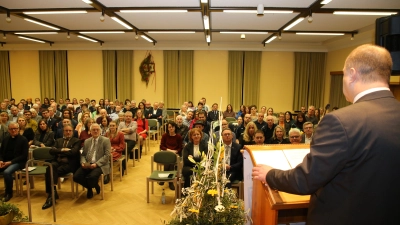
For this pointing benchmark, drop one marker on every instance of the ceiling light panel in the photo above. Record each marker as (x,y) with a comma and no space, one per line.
(41,24)
(122,23)
(290,26)
(242,32)
(55,12)
(31,39)
(166,4)
(146,38)
(364,13)
(269,3)
(86,38)
(153,11)
(255,11)
(316,33)
(27,33)
(102,32)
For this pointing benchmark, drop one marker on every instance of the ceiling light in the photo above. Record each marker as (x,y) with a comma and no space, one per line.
(294,23)
(102,18)
(280,36)
(68,36)
(325,2)
(136,36)
(206,22)
(242,36)
(208,38)
(310,19)
(36,33)
(171,32)
(55,12)
(352,37)
(242,32)
(86,38)
(146,38)
(204,1)
(87,1)
(42,24)
(102,32)
(31,39)
(8,18)
(4,36)
(271,39)
(260,10)
(364,13)
(122,23)
(255,11)
(316,33)
(153,11)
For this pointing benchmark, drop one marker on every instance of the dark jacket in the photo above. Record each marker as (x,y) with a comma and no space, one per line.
(21,150)
(48,139)
(189,150)
(71,157)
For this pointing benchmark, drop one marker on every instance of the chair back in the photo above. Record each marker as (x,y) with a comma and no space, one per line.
(153,123)
(229,119)
(170,114)
(42,153)
(164,157)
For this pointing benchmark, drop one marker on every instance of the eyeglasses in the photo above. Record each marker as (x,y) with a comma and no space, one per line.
(308,128)
(294,137)
(227,134)
(13,128)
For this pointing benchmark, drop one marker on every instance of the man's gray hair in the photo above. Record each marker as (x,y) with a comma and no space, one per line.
(294,130)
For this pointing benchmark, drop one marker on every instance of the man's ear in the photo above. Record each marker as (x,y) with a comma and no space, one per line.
(353,75)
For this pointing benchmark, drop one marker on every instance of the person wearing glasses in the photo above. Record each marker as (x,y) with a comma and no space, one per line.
(13,156)
(294,136)
(308,129)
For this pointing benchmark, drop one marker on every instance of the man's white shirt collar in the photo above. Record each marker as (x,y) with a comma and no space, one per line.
(361,94)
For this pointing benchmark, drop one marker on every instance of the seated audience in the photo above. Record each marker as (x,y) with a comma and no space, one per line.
(194,149)
(95,160)
(247,137)
(229,112)
(259,138)
(241,112)
(81,125)
(85,134)
(25,131)
(253,113)
(260,123)
(117,141)
(289,122)
(142,128)
(269,129)
(182,129)
(104,126)
(279,136)
(295,136)
(308,128)
(225,125)
(60,132)
(213,115)
(128,128)
(44,136)
(233,157)
(103,115)
(300,120)
(270,112)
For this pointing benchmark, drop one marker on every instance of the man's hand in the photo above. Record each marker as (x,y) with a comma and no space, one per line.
(260,172)
(92,166)
(227,167)
(1,164)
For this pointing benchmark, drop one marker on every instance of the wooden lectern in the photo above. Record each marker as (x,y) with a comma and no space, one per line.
(270,207)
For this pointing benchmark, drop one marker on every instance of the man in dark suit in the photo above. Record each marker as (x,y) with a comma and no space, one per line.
(95,160)
(60,131)
(66,160)
(352,170)
(213,114)
(156,113)
(13,156)
(52,119)
(233,156)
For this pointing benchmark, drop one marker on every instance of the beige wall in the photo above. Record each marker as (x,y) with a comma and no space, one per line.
(335,62)
(85,74)
(155,90)
(277,80)
(210,77)
(24,73)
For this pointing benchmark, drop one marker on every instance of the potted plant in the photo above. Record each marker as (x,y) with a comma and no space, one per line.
(10,212)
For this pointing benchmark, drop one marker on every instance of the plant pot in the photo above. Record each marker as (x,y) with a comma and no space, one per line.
(7,219)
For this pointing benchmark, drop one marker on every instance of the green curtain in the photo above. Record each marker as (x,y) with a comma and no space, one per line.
(309,79)
(124,74)
(235,78)
(251,81)
(46,67)
(5,80)
(171,79)
(317,79)
(185,78)
(109,70)
(61,74)
(336,97)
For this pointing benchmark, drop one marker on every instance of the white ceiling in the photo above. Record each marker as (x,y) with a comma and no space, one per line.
(323,20)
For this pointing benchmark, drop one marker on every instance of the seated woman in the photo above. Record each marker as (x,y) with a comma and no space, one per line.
(24,130)
(96,114)
(85,134)
(194,150)
(253,112)
(121,118)
(183,111)
(104,126)
(289,122)
(270,112)
(190,106)
(300,120)
(172,142)
(247,137)
(279,136)
(281,119)
(81,125)
(229,112)
(142,127)
(241,112)
(44,136)
(117,141)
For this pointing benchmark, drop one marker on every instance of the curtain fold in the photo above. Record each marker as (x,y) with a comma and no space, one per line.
(5,79)
(60,74)
(109,74)
(317,79)
(235,78)
(171,78)
(302,63)
(336,97)
(251,78)
(185,78)
(46,67)
(124,75)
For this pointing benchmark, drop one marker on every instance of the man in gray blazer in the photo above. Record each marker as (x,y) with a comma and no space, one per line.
(352,170)
(95,160)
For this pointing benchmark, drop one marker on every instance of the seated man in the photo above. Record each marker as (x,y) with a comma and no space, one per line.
(259,137)
(60,131)
(95,160)
(224,126)
(103,114)
(13,156)
(66,160)
(234,158)
(182,128)
(200,125)
(128,128)
(308,129)
(294,136)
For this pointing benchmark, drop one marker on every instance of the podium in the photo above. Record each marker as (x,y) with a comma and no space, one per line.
(270,207)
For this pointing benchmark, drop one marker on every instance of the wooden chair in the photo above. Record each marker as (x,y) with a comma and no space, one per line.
(119,162)
(70,176)
(240,188)
(153,133)
(161,158)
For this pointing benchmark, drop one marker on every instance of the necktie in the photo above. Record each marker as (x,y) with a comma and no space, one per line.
(228,154)
(92,151)
(66,140)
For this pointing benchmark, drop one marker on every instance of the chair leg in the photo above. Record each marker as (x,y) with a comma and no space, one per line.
(120,171)
(133,153)
(147,189)
(102,186)
(71,178)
